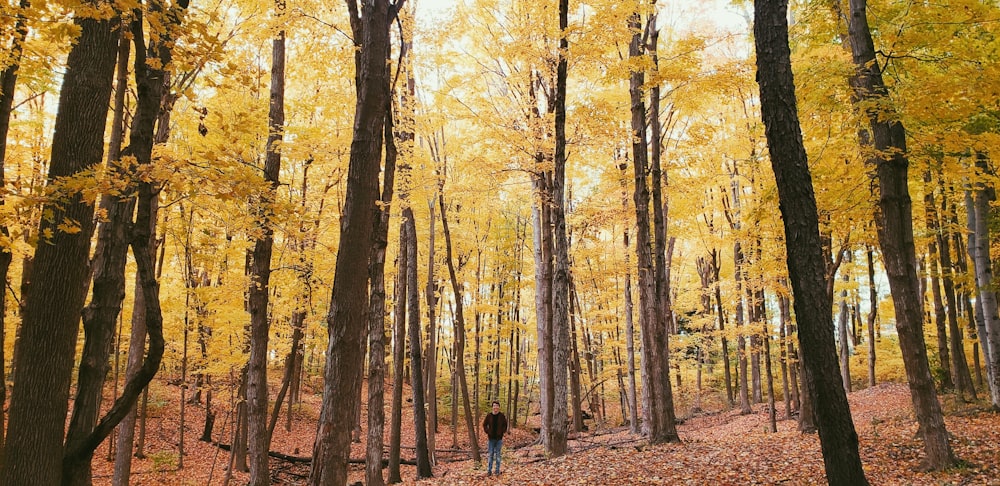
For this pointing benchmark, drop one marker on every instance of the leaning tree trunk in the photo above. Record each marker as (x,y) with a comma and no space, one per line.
(805,260)
(348,316)
(894,222)
(46,347)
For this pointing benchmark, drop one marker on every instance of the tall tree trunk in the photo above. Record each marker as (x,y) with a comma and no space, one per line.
(376,317)
(430,354)
(805,260)
(348,316)
(959,366)
(8,83)
(727,374)
(872,316)
(666,430)
(260,270)
(633,407)
(990,331)
(986,309)
(658,422)
(543,304)
(933,258)
(842,333)
(413,312)
(46,347)
(459,329)
(561,273)
(398,350)
(783,336)
(894,222)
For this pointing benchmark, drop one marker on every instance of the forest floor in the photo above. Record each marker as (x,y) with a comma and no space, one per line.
(716,448)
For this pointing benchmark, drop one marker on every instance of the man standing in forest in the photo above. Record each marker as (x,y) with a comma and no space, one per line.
(495,425)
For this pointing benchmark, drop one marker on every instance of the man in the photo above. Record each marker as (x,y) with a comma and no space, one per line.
(495,425)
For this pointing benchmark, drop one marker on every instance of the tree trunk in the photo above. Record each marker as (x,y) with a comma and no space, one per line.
(8,83)
(459,329)
(557,445)
(376,317)
(805,260)
(413,312)
(658,423)
(633,407)
(260,270)
(845,347)
(933,258)
(894,222)
(430,354)
(959,366)
(347,319)
(50,321)
(990,333)
(872,316)
(398,351)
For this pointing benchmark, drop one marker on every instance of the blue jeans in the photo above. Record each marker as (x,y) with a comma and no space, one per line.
(493,452)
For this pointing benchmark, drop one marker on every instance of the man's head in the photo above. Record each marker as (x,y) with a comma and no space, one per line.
(496,406)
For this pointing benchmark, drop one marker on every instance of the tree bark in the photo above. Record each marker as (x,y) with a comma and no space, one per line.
(260,269)
(413,312)
(46,347)
(398,350)
(557,445)
(658,423)
(377,315)
(933,258)
(347,319)
(805,260)
(894,222)
(990,331)
(872,316)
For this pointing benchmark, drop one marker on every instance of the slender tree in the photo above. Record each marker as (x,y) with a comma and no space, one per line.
(260,269)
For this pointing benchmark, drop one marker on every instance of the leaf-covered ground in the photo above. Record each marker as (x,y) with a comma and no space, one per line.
(716,448)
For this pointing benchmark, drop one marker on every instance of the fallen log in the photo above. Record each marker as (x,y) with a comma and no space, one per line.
(307,459)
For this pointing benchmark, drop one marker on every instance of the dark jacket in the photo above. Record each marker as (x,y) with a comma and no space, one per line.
(495,425)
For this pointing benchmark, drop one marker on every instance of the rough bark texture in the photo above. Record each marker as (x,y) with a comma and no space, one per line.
(560,276)
(347,319)
(806,266)
(657,407)
(377,314)
(894,222)
(54,298)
